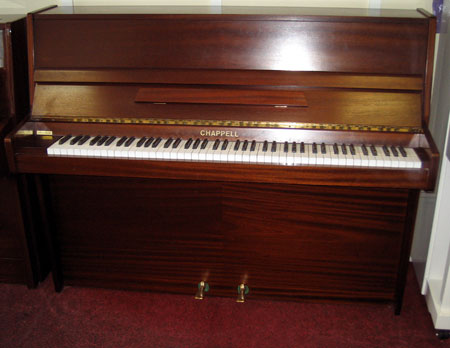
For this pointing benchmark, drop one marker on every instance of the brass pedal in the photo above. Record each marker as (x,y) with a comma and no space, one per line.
(202,288)
(242,291)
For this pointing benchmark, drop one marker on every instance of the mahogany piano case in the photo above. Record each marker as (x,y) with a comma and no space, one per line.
(241,152)
(22,248)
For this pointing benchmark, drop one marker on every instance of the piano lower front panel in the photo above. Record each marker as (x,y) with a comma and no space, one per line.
(291,241)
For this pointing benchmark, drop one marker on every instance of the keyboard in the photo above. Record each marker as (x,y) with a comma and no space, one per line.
(236,151)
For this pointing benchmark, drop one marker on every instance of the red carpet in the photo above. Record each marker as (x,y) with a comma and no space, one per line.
(79,318)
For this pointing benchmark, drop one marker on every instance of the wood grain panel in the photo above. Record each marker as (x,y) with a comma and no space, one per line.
(230,77)
(231,44)
(295,240)
(324,106)
(222,96)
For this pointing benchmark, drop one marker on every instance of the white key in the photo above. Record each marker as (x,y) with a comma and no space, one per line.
(334,158)
(254,154)
(290,156)
(55,148)
(379,158)
(195,154)
(178,153)
(223,154)
(267,155)
(154,151)
(304,156)
(372,158)
(320,158)
(328,156)
(102,150)
(360,159)
(260,154)
(246,153)
(312,157)
(413,161)
(66,149)
(386,160)
(231,157)
(395,163)
(216,152)
(141,151)
(348,159)
(132,149)
(203,152)
(275,155)
(72,147)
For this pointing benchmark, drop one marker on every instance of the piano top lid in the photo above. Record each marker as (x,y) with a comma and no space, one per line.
(269,12)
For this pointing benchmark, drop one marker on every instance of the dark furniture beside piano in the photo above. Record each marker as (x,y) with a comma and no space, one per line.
(327,81)
(22,248)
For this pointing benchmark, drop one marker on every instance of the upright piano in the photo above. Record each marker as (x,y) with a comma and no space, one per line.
(22,247)
(230,151)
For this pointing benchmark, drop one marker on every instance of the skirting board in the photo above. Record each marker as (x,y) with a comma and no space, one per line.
(440,316)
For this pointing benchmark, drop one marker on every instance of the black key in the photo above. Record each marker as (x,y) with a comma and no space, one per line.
(94,141)
(102,140)
(386,151)
(156,142)
(294,147)
(394,151)
(286,147)
(335,149)
(265,146)
(323,149)
(188,143)
(176,143)
(130,141)
(121,141)
(364,150)
(314,148)
(83,140)
(302,147)
(216,144)
(168,142)
(204,144)
(245,145)
(141,142)
(75,140)
(373,150)
(224,145)
(402,151)
(64,139)
(344,149)
(236,145)
(253,146)
(196,144)
(274,146)
(148,142)
(352,150)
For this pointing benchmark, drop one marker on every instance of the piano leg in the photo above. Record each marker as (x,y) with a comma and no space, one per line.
(413,200)
(42,188)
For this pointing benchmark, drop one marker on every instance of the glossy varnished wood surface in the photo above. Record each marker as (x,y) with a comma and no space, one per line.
(279,239)
(230,43)
(27,154)
(22,250)
(285,231)
(12,256)
(360,107)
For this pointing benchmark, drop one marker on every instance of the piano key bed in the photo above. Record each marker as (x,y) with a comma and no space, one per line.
(237,151)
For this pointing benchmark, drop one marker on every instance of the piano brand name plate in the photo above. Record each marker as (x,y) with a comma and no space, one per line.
(219,133)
